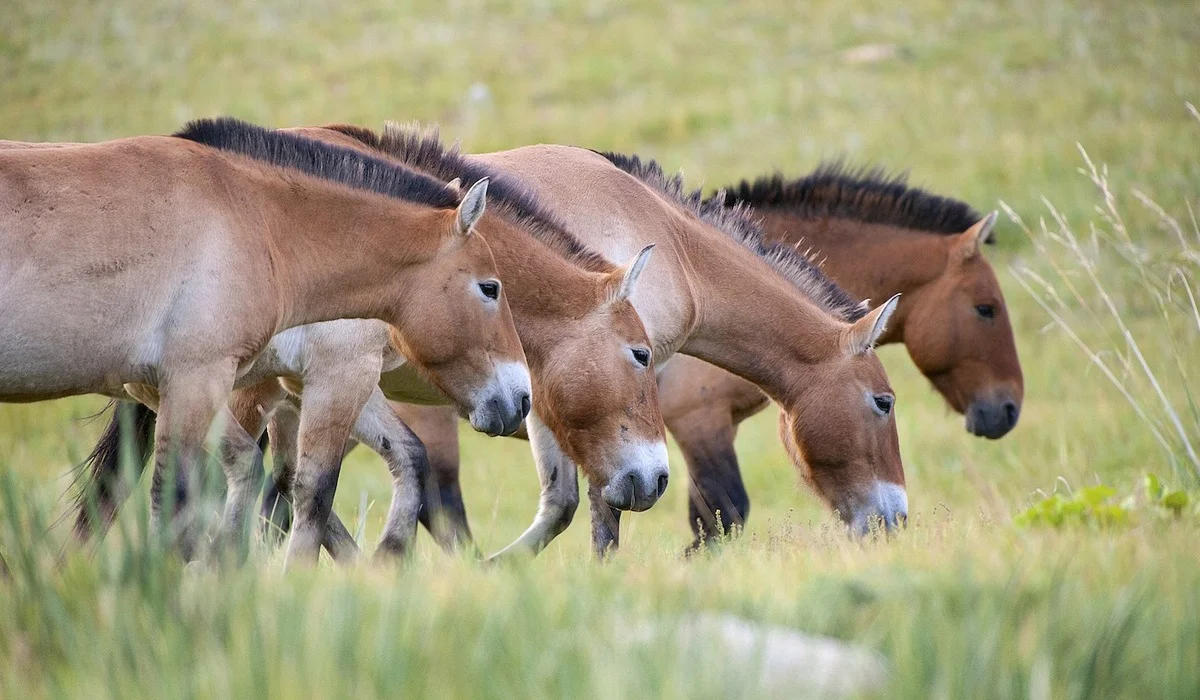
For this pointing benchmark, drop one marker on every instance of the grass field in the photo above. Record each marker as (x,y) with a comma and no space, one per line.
(980,100)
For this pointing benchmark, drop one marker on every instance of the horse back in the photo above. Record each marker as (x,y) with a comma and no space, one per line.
(111,250)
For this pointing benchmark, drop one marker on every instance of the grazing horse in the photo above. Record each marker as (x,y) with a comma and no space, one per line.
(587,350)
(722,293)
(876,237)
(162,266)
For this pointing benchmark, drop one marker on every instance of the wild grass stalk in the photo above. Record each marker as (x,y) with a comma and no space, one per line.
(1096,291)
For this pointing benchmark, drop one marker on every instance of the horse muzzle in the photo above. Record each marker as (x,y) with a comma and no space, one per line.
(886,506)
(992,418)
(641,481)
(502,409)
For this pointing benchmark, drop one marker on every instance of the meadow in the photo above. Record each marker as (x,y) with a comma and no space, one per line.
(1015,577)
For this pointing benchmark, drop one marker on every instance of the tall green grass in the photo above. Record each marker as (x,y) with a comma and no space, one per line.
(980,100)
(1141,291)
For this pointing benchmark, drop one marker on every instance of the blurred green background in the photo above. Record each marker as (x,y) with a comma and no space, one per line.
(982,101)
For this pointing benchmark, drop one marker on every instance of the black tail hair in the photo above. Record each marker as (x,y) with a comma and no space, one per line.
(100,493)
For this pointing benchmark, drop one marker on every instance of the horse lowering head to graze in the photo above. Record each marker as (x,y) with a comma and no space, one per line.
(720,292)
(468,347)
(878,236)
(588,352)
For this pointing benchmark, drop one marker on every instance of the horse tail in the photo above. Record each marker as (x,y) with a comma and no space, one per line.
(100,494)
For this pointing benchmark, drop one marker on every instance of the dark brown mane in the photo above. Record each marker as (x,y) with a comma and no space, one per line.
(423,149)
(868,194)
(335,163)
(734,220)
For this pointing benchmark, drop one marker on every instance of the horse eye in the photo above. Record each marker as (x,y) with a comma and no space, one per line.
(986,310)
(884,403)
(642,355)
(491,290)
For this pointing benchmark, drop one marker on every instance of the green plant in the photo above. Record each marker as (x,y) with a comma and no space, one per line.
(1093,505)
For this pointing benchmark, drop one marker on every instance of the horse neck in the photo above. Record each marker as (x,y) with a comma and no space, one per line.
(544,290)
(751,321)
(337,252)
(871,261)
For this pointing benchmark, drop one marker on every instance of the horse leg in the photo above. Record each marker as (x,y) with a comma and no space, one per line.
(606,524)
(247,415)
(379,428)
(283,429)
(443,513)
(188,403)
(717,501)
(333,400)
(560,493)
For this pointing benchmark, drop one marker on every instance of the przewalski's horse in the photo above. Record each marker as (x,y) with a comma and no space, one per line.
(876,237)
(595,397)
(721,293)
(162,266)
(587,350)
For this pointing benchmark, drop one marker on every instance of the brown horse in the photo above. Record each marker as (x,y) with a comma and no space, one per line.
(876,237)
(587,350)
(595,397)
(164,265)
(722,293)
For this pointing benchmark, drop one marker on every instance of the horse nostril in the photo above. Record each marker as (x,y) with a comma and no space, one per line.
(662,484)
(1011,412)
(525,405)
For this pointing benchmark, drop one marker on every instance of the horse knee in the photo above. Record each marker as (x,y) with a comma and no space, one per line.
(566,502)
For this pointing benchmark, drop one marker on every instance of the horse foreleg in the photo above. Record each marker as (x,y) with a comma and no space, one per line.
(717,501)
(332,402)
(188,403)
(559,498)
(606,524)
(283,429)
(247,415)
(379,428)
(443,512)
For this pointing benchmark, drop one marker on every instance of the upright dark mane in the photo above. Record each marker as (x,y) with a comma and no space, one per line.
(423,149)
(335,163)
(868,194)
(734,220)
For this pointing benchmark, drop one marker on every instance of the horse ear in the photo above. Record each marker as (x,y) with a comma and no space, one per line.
(455,184)
(470,210)
(862,335)
(621,281)
(969,242)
